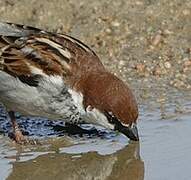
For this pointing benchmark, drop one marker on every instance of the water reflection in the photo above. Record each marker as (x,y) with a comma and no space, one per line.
(99,155)
(164,129)
(123,164)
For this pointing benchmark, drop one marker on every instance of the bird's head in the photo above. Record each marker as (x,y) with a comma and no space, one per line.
(111,101)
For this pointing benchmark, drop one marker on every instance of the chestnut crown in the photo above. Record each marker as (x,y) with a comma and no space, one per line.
(107,93)
(112,97)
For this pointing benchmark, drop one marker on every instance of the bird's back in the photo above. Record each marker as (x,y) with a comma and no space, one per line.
(37,68)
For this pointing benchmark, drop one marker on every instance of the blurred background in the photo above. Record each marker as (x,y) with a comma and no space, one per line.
(147,43)
(147,38)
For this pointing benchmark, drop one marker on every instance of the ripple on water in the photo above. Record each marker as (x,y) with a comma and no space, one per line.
(87,148)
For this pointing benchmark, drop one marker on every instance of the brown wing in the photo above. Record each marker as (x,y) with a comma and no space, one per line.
(28,60)
(26,52)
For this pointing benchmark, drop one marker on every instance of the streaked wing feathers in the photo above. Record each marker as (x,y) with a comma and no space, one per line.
(26,52)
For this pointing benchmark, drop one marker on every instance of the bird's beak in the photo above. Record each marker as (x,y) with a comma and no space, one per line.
(131,132)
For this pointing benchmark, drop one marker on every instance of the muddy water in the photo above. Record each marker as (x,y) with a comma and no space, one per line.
(163,152)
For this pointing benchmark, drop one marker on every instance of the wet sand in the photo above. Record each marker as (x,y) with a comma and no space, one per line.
(147,44)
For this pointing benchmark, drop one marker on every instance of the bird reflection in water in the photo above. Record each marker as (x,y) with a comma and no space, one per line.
(124,164)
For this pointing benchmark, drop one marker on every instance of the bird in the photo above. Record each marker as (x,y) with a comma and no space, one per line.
(56,76)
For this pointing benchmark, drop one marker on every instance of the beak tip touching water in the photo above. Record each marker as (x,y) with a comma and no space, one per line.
(130,132)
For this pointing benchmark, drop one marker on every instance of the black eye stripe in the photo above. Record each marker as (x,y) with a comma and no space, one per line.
(111,118)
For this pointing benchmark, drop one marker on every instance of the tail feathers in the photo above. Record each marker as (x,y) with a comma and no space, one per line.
(16,30)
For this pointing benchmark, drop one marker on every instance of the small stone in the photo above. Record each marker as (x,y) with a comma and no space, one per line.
(184,69)
(186,12)
(140,67)
(167,65)
(167,32)
(115,24)
(179,84)
(188,86)
(178,75)
(99,20)
(108,30)
(139,3)
(171,82)
(156,39)
(161,100)
(157,71)
(121,63)
(187,63)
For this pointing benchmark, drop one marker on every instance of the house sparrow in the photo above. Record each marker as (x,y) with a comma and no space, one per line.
(58,77)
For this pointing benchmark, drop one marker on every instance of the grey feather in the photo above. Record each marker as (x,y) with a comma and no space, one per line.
(8,29)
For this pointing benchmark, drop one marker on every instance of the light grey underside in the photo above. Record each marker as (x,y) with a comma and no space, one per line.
(50,99)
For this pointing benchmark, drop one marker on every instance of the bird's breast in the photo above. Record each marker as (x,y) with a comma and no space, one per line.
(50,99)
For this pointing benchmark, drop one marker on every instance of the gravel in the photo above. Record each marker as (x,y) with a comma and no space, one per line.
(139,40)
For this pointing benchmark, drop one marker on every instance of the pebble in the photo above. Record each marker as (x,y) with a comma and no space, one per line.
(157,71)
(167,65)
(156,39)
(167,32)
(139,3)
(140,67)
(115,24)
(179,84)
(186,12)
(108,30)
(187,63)
(122,63)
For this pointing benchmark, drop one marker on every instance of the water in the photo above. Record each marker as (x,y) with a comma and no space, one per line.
(162,153)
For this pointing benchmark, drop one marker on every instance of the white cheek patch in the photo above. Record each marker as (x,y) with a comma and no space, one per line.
(90,115)
(98,118)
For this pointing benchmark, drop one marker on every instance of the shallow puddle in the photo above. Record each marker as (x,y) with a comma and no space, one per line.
(163,152)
